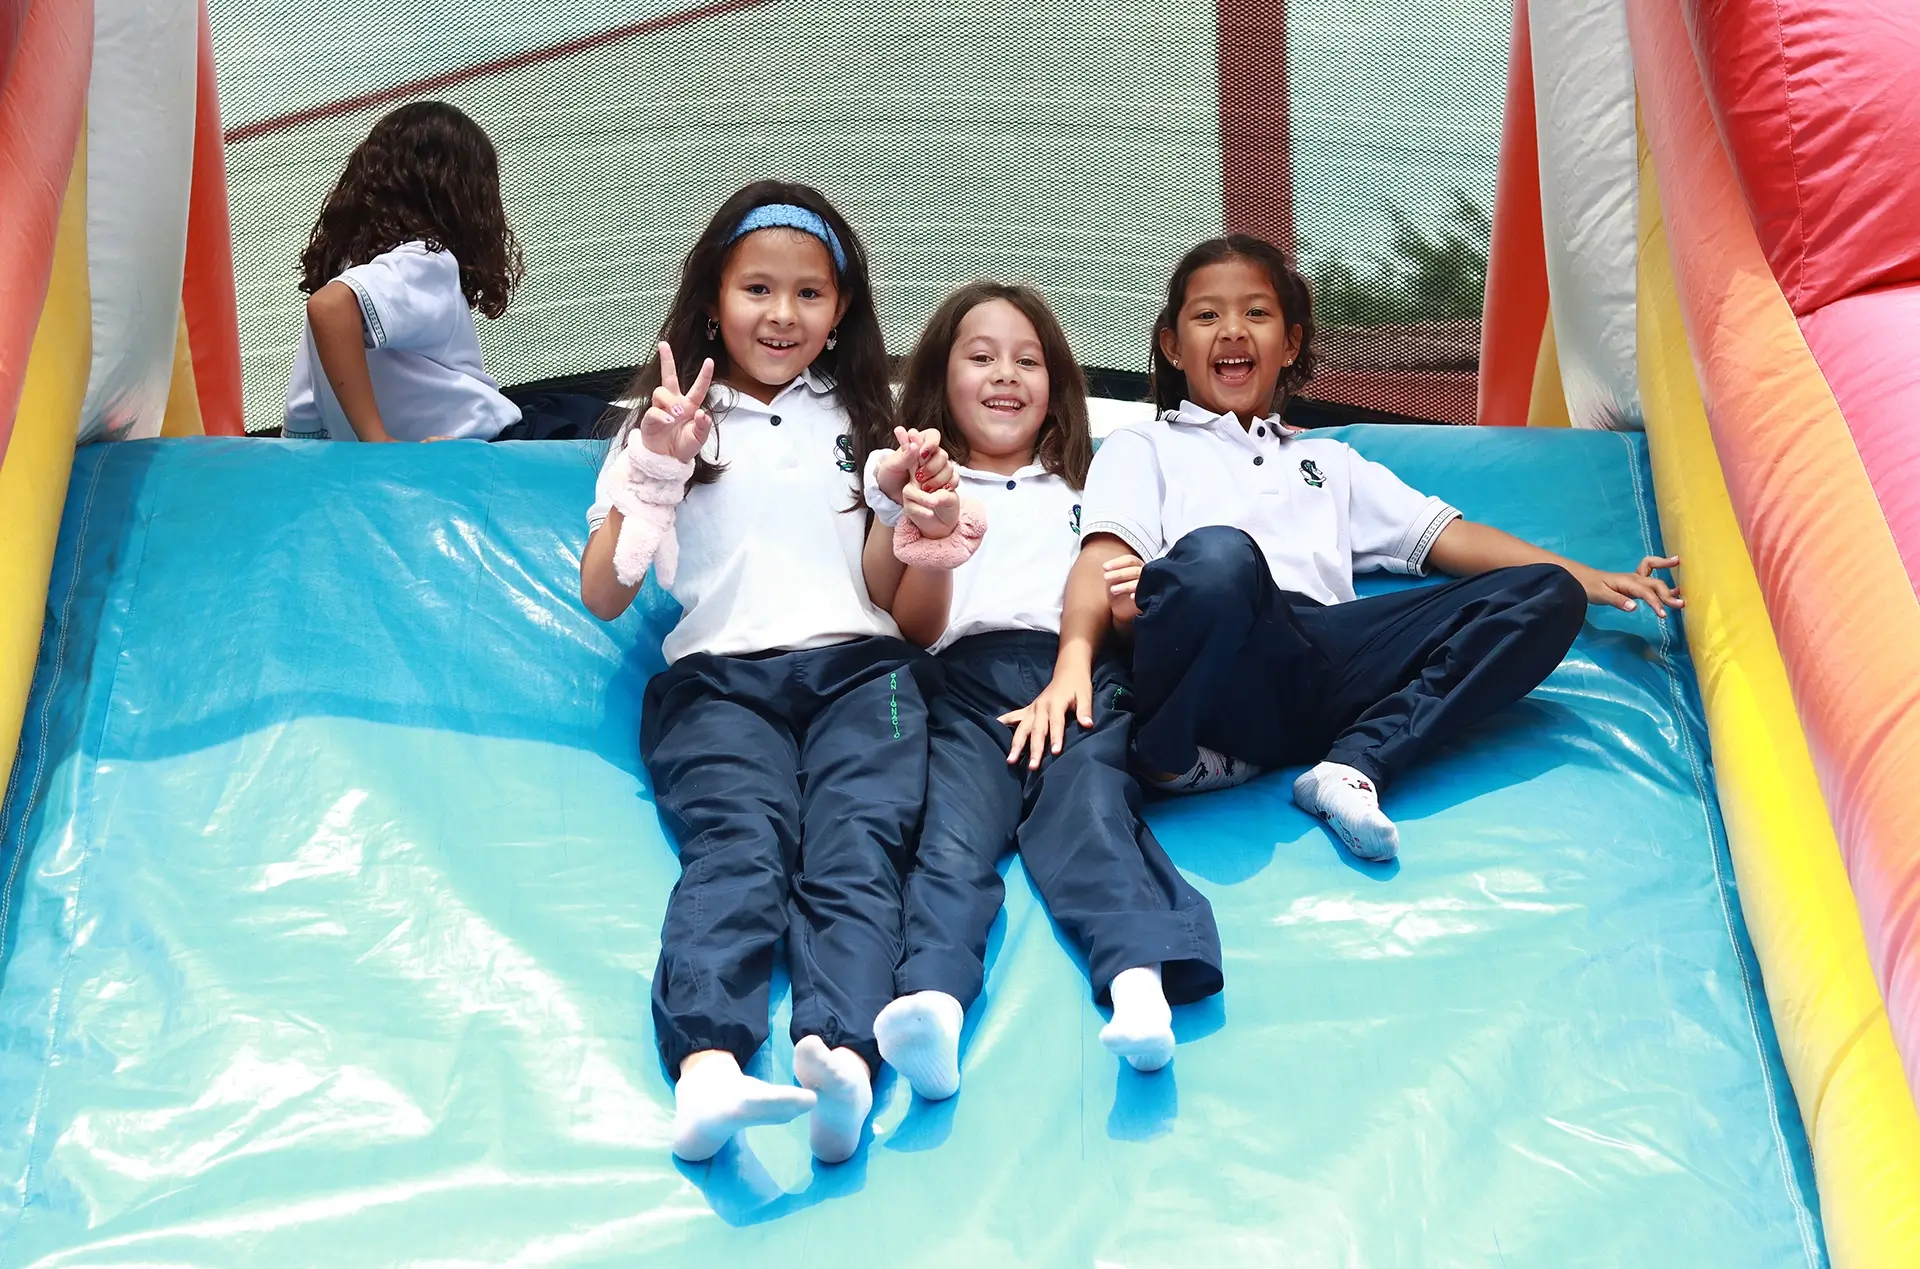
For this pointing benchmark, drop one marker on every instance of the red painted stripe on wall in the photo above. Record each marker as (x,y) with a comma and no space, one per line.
(480,70)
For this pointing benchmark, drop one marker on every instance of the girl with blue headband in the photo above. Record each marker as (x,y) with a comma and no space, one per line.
(786,737)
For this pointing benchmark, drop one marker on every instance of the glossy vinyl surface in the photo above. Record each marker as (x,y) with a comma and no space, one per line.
(333,886)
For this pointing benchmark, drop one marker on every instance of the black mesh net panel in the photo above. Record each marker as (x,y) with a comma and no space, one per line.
(1073,145)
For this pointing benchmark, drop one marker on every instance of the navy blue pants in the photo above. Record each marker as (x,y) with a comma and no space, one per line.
(1076,822)
(555,416)
(792,782)
(1224,658)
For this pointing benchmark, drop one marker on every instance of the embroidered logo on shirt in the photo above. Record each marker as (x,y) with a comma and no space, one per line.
(843,452)
(1076,520)
(1311,473)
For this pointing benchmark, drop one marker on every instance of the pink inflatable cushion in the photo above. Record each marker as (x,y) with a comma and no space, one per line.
(1819,104)
(1865,345)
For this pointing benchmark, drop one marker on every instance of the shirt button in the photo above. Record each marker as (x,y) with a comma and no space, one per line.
(1257,460)
(776,420)
(1261,430)
(1013,484)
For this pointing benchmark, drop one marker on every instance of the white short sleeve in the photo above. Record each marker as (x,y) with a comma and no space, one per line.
(1393,526)
(410,298)
(1125,494)
(885,509)
(613,474)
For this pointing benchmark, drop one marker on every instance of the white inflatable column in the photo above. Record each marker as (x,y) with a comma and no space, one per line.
(1589,202)
(140,112)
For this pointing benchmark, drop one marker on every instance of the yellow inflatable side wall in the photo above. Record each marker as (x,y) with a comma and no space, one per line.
(1799,905)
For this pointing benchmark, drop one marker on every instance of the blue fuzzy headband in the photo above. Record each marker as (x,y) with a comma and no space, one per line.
(787,216)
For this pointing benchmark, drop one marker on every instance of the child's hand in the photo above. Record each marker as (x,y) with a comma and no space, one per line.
(1042,726)
(934,512)
(933,469)
(1625,590)
(675,424)
(916,456)
(1123,578)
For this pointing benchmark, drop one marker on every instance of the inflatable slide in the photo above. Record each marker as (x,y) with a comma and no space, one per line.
(330,883)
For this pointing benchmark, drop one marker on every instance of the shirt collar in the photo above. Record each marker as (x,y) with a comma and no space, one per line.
(1192,415)
(1197,417)
(1029,472)
(811,380)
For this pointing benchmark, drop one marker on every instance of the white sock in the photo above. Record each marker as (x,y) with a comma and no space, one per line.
(713,1099)
(1210,771)
(1142,1026)
(919,1037)
(844,1086)
(1350,805)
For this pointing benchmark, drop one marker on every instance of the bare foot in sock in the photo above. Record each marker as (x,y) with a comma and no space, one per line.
(1350,805)
(1142,1026)
(919,1037)
(1210,771)
(713,1099)
(844,1086)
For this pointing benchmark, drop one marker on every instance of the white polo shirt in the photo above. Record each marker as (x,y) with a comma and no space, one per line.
(769,553)
(1018,576)
(1318,510)
(423,355)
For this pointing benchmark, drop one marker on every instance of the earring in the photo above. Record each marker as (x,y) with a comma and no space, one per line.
(713,330)
(833,337)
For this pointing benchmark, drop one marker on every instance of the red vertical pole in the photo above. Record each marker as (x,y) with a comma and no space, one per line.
(1256,146)
(206,293)
(1516,308)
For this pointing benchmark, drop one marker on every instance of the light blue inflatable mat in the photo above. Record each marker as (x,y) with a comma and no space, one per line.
(333,885)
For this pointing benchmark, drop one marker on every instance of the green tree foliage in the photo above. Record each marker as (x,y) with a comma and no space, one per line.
(1421,277)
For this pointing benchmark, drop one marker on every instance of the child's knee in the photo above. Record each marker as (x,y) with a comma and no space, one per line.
(1211,567)
(1559,597)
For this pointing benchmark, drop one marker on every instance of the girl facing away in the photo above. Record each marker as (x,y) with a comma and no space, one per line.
(412,240)
(786,738)
(993,380)
(1224,544)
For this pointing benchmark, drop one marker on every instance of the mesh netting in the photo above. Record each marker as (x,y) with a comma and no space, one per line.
(1072,145)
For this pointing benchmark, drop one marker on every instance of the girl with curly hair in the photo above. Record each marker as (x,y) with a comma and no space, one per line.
(412,239)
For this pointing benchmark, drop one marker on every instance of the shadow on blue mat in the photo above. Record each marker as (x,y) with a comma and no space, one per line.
(334,890)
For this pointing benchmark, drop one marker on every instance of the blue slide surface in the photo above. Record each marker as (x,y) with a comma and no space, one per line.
(333,884)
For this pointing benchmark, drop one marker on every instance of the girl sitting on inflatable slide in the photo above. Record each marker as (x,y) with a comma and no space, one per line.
(1225,544)
(994,380)
(411,241)
(787,736)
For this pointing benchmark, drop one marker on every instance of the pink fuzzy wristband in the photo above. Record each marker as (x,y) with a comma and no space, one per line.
(647,502)
(947,553)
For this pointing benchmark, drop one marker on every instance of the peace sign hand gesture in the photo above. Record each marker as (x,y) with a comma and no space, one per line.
(676,424)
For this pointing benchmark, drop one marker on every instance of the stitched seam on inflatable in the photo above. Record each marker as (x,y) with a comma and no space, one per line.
(33,792)
(1716,838)
(1793,156)
(33,786)
(84,871)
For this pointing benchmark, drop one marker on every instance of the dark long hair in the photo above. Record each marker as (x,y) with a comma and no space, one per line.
(426,171)
(857,363)
(1296,306)
(1064,445)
